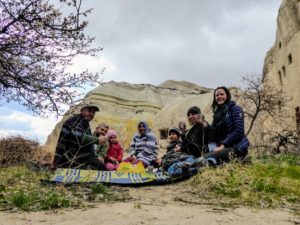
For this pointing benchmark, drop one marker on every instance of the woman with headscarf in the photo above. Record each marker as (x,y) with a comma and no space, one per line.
(143,146)
(227,137)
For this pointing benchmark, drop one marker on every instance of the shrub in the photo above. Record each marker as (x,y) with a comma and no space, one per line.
(16,150)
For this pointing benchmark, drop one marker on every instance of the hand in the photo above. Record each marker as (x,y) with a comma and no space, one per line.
(158,161)
(203,122)
(177,148)
(101,159)
(113,160)
(102,139)
(221,147)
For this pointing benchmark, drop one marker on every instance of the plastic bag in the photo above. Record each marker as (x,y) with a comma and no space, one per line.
(127,167)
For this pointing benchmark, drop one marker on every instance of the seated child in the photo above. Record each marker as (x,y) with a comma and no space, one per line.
(173,149)
(114,153)
(176,162)
(174,139)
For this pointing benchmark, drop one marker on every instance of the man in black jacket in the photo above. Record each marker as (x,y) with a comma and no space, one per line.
(75,147)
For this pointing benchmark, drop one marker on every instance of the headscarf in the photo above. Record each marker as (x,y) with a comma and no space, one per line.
(147,129)
(111,133)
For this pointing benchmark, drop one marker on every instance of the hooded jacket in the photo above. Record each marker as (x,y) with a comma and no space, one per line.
(144,147)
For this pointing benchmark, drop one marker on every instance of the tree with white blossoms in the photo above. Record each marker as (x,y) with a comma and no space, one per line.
(38,41)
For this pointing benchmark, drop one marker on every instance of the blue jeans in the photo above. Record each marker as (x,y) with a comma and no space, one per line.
(176,168)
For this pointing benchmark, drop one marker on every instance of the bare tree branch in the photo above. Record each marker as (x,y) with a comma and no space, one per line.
(261,97)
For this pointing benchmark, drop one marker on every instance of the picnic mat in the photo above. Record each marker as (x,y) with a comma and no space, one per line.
(71,176)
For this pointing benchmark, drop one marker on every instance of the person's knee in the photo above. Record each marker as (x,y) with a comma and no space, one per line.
(95,164)
(174,170)
(109,166)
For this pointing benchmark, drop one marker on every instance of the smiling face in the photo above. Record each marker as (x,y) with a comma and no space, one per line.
(220,96)
(141,128)
(193,118)
(101,130)
(88,113)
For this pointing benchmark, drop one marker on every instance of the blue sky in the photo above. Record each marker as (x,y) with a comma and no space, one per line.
(16,120)
(207,42)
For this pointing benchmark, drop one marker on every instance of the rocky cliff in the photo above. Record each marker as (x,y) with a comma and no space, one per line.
(282,61)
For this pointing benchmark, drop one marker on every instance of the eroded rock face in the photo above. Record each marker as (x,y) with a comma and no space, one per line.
(123,105)
(282,62)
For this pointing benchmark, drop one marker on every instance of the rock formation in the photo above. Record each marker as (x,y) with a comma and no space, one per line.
(122,105)
(282,62)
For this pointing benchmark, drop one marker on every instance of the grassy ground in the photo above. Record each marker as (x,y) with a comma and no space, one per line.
(265,182)
(272,181)
(21,189)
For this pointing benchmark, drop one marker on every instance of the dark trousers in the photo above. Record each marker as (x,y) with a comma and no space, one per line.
(92,163)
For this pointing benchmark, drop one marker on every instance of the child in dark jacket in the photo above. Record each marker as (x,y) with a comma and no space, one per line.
(173,149)
(114,153)
(174,139)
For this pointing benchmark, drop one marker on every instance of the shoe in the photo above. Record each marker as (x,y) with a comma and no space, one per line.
(199,162)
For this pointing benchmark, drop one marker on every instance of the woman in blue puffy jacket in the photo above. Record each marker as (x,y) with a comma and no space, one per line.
(227,137)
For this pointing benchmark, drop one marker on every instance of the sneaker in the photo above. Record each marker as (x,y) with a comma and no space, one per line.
(199,162)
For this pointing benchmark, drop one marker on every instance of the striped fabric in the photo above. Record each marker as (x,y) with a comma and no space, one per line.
(144,147)
(94,176)
(73,176)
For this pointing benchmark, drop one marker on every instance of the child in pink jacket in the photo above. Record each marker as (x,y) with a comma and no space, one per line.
(114,153)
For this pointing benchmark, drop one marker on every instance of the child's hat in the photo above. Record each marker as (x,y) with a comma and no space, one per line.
(111,133)
(175,130)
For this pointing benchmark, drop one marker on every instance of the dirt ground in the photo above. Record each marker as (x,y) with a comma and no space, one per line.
(168,204)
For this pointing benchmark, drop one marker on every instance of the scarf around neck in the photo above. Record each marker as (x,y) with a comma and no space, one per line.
(220,114)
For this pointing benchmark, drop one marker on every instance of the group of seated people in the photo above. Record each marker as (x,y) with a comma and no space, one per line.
(220,141)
